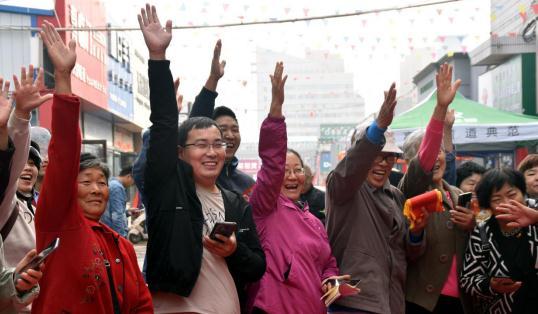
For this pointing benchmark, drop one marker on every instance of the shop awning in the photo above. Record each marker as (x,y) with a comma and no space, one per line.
(475,123)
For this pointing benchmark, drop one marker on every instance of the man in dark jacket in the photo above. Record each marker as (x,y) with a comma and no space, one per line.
(313,196)
(230,177)
(187,271)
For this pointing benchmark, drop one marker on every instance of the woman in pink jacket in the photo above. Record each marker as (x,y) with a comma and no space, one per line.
(295,243)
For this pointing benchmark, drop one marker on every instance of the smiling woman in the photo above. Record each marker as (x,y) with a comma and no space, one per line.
(99,266)
(298,254)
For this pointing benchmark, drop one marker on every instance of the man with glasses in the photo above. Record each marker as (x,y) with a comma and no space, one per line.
(365,224)
(187,272)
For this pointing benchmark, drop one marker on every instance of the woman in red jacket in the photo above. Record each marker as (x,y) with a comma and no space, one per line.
(94,270)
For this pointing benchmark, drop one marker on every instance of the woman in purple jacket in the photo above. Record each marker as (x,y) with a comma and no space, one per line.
(296,246)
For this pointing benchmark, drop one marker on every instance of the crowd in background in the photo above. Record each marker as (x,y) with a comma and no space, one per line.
(291,243)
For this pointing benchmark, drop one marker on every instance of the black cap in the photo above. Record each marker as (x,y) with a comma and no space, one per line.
(34,154)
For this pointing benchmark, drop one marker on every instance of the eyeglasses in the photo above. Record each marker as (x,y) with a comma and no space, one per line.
(205,146)
(387,158)
(296,171)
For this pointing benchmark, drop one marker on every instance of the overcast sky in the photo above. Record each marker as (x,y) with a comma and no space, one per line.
(372,45)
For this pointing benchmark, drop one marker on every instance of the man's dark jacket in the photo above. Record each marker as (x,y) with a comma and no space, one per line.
(175,226)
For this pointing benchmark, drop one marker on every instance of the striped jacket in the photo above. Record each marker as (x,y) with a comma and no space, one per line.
(481,264)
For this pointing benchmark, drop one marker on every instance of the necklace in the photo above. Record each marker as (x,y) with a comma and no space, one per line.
(511,233)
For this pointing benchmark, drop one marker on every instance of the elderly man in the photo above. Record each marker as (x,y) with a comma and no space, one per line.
(365,224)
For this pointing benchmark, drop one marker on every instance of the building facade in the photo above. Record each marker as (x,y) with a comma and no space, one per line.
(319,94)
(109,77)
(510,57)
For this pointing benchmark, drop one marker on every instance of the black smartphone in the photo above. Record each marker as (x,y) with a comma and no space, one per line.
(464,199)
(224,228)
(39,258)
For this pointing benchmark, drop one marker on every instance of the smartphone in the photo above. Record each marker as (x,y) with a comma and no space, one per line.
(464,199)
(39,258)
(223,228)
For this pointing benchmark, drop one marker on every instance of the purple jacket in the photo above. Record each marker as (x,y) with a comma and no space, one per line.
(295,242)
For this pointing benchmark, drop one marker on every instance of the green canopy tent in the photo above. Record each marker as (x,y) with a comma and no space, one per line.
(477,127)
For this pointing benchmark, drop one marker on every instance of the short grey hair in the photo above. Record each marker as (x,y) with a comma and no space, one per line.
(88,161)
(412,144)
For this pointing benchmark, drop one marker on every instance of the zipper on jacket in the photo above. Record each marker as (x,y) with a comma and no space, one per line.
(115,301)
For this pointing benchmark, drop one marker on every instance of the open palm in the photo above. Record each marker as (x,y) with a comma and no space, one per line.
(217,66)
(157,39)
(63,58)
(27,96)
(446,90)
(5,103)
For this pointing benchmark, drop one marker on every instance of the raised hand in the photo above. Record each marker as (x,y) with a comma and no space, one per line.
(63,57)
(386,113)
(5,103)
(217,68)
(446,90)
(157,39)
(277,83)
(26,95)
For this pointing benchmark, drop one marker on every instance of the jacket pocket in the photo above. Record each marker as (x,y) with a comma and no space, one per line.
(289,271)
(364,266)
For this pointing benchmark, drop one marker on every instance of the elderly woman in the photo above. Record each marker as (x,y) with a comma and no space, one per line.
(432,279)
(298,254)
(500,268)
(94,270)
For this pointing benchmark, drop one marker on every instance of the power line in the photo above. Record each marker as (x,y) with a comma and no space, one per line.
(293,20)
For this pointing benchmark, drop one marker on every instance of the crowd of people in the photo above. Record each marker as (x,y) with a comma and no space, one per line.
(290,243)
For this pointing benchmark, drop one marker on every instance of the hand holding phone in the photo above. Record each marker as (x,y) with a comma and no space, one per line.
(223,228)
(504,284)
(464,199)
(36,262)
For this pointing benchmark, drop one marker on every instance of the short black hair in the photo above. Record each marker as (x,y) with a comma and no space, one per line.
(494,179)
(126,171)
(194,123)
(466,170)
(293,151)
(88,161)
(223,111)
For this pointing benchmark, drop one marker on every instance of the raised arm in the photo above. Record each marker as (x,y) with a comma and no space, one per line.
(162,152)
(7,149)
(27,98)
(446,90)
(205,101)
(272,150)
(419,173)
(351,172)
(5,111)
(55,208)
